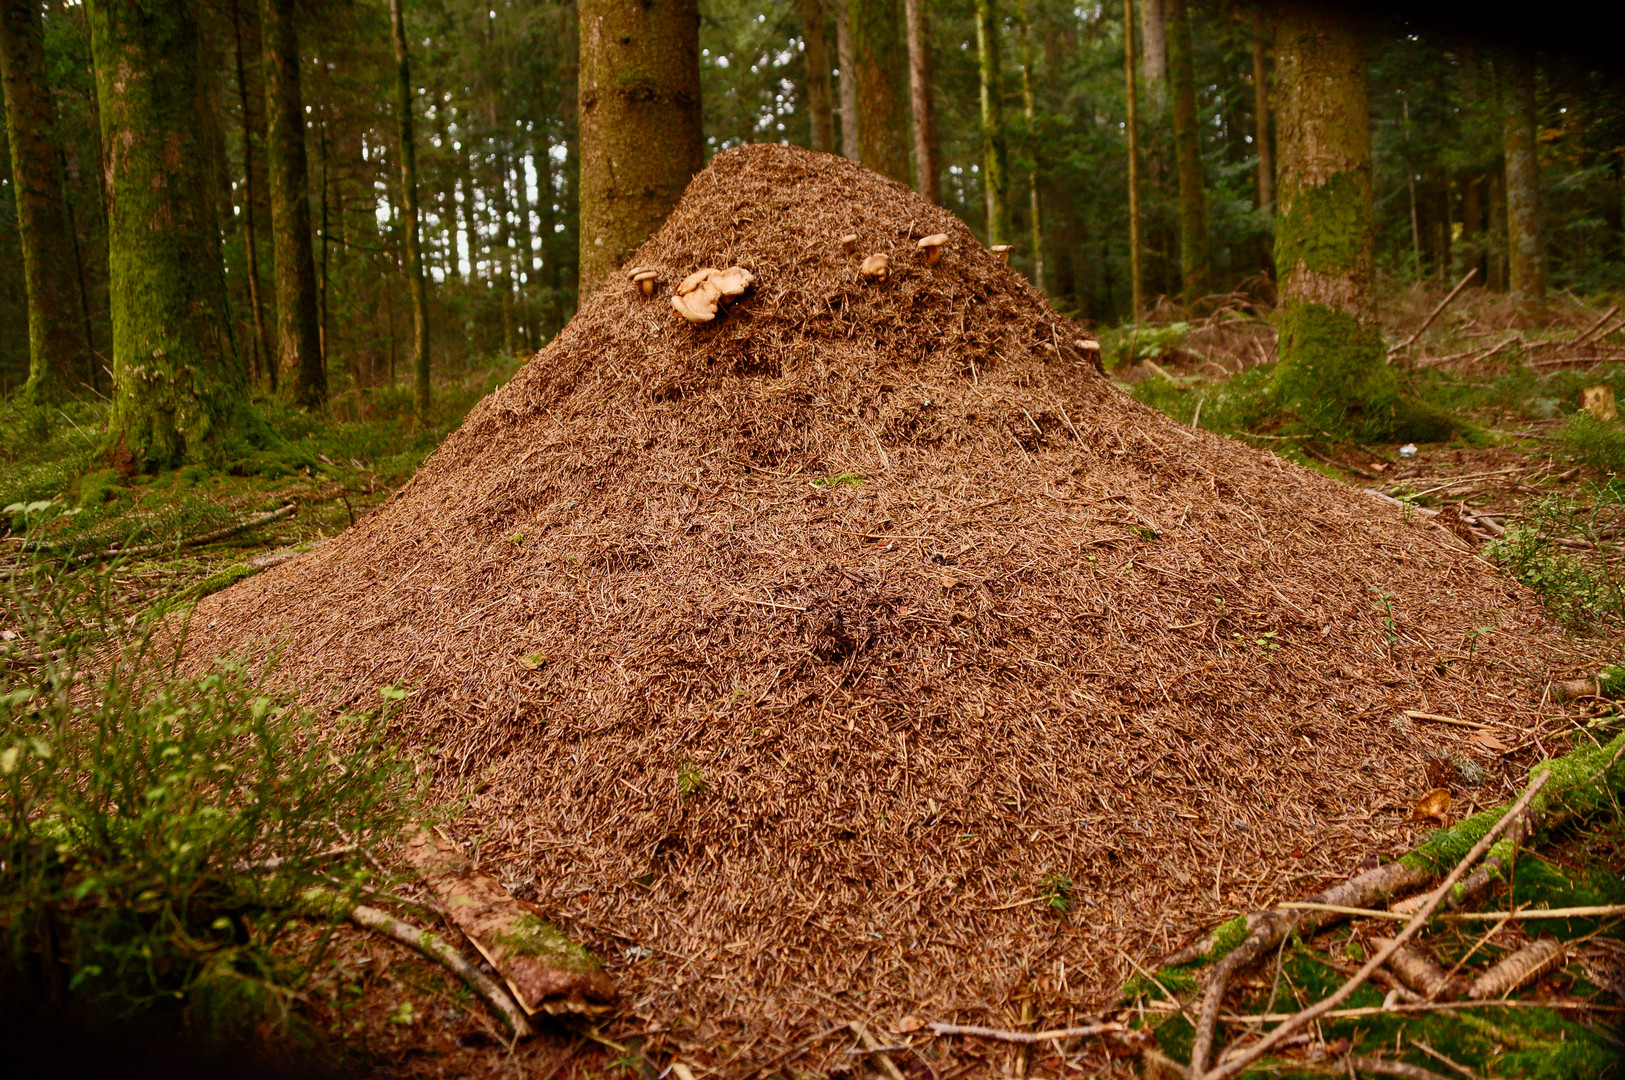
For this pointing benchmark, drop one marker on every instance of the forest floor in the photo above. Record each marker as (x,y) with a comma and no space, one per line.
(1532,484)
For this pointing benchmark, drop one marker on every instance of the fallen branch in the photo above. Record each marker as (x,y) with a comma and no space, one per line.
(435,949)
(1215,992)
(1002,1035)
(1362,1063)
(1439,718)
(191,541)
(1596,911)
(1427,322)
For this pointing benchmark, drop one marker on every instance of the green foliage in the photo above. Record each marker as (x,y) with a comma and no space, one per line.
(159,830)
(1598,443)
(1239,405)
(1583,594)
(1058,893)
(1133,342)
(690,781)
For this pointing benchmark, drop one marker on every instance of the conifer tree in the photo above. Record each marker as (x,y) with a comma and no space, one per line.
(995,149)
(880,70)
(1195,268)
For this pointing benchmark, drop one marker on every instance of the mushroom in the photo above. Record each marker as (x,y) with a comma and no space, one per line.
(1003,252)
(849,242)
(1090,348)
(632,274)
(876,267)
(932,246)
(699,294)
(645,280)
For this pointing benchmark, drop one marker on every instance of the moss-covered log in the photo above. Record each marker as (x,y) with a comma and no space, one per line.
(179,392)
(57,355)
(298,323)
(641,139)
(1334,374)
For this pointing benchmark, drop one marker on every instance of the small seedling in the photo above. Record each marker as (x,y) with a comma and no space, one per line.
(689,780)
(845,479)
(1387,600)
(534,661)
(1057,891)
(516,539)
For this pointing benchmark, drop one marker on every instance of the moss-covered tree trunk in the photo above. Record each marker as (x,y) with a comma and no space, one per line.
(409,211)
(1526,260)
(1195,274)
(298,316)
(178,390)
(1333,373)
(921,104)
(995,148)
(57,357)
(880,74)
(263,366)
(820,94)
(850,147)
(639,106)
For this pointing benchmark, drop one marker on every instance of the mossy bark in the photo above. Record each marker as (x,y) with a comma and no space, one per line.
(880,74)
(409,206)
(1131,88)
(639,107)
(298,318)
(263,366)
(921,103)
(57,357)
(1196,275)
(179,392)
(820,92)
(995,149)
(1333,374)
(1526,261)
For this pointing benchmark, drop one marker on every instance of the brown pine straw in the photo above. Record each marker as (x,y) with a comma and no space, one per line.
(776,746)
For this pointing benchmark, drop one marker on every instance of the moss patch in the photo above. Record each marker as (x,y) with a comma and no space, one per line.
(539,939)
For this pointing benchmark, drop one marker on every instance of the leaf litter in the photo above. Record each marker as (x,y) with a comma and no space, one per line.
(779,774)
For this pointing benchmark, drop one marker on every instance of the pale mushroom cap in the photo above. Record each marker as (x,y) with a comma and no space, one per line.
(645,275)
(632,274)
(1000,249)
(934,240)
(850,238)
(876,266)
(694,280)
(732,281)
(696,307)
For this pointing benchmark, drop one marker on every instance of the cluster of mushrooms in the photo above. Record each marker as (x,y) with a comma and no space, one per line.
(704,292)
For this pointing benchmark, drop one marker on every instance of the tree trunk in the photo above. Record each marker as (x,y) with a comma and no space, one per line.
(1153,32)
(298,325)
(1333,373)
(1029,113)
(178,390)
(1130,68)
(1495,278)
(263,366)
(1193,242)
(641,141)
(995,151)
(1526,259)
(820,110)
(1472,221)
(926,180)
(851,149)
(526,260)
(1261,111)
(56,355)
(880,73)
(409,202)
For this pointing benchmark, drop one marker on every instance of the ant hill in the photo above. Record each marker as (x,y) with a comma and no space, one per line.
(809,659)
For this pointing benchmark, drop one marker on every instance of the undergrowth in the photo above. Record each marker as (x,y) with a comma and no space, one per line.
(1583,593)
(161,832)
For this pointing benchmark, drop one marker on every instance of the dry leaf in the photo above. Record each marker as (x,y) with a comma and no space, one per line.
(1433,806)
(950,580)
(1489,742)
(909,1024)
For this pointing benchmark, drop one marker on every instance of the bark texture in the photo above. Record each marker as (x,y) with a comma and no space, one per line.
(995,149)
(639,102)
(179,393)
(1130,69)
(820,94)
(409,211)
(263,366)
(1261,110)
(850,148)
(880,70)
(57,357)
(1029,113)
(1526,259)
(926,180)
(298,316)
(1333,374)
(1195,272)
(1156,44)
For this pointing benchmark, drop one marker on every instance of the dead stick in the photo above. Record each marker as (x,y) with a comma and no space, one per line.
(1427,322)
(1003,1035)
(192,541)
(437,950)
(1384,1067)
(872,1047)
(1341,994)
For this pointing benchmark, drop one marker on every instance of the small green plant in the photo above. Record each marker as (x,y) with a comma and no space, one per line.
(1058,893)
(1475,636)
(1598,443)
(689,779)
(1573,592)
(1387,601)
(1266,643)
(846,479)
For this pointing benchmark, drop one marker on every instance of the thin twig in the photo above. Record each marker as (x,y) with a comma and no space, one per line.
(1003,1035)
(1427,322)
(191,541)
(1594,912)
(1341,994)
